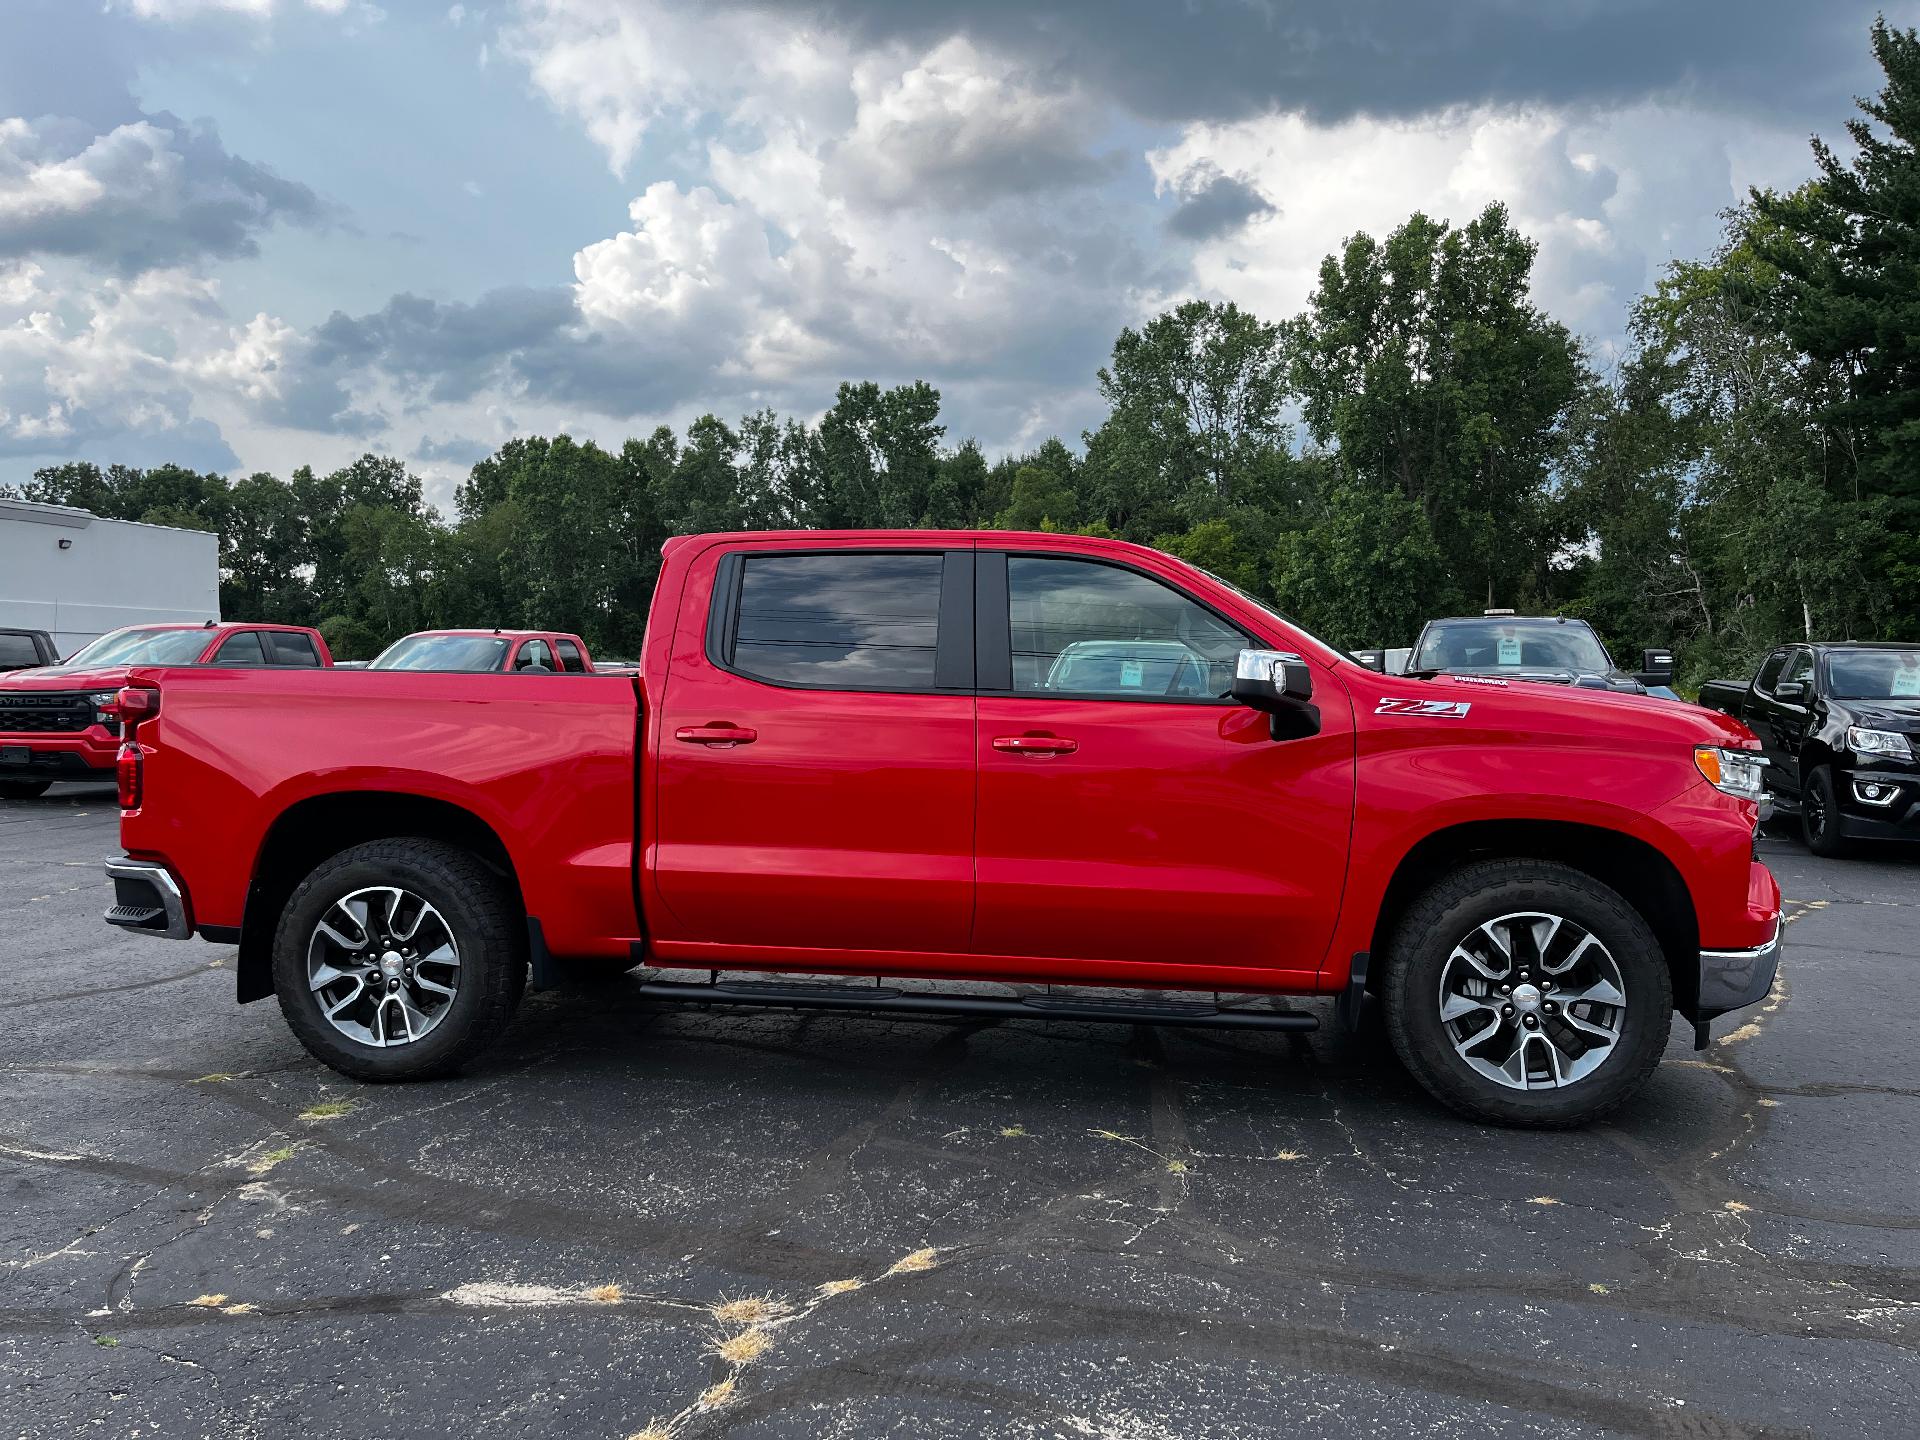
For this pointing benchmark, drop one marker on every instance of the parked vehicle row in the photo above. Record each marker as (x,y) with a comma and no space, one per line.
(1837,727)
(964,756)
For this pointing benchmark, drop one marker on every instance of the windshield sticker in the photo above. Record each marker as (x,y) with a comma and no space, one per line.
(1906,680)
(1508,649)
(1130,674)
(1437,709)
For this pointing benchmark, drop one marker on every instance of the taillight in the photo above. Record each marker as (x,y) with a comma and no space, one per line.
(134,704)
(127,769)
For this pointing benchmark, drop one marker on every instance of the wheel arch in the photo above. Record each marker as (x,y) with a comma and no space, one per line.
(1634,868)
(310,830)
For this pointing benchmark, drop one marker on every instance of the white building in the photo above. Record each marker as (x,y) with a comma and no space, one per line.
(77,576)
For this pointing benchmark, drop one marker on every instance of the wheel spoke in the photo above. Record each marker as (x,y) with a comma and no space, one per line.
(1456,1006)
(324,975)
(359,989)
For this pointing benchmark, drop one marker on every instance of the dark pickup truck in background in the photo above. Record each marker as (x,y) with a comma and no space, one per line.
(26,649)
(1546,649)
(1837,726)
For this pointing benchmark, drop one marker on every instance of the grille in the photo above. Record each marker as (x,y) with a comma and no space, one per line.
(45,714)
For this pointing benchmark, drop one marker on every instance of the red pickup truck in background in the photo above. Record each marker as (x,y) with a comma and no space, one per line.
(1019,758)
(477,651)
(55,722)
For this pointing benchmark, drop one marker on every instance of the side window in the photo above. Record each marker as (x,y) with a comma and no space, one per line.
(534,652)
(241,650)
(1770,672)
(290,649)
(1799,666)
(847,621)
(570,660)
(1083,628)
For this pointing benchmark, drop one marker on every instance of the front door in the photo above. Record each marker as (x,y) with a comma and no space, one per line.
(1129,812)
(816,762)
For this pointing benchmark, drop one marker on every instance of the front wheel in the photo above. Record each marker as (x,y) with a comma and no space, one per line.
(24,789)
(399,959)
(1527,993)
(1820,815)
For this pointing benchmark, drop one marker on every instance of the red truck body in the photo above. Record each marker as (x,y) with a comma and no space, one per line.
(517,650)
(44,734)
(960,829)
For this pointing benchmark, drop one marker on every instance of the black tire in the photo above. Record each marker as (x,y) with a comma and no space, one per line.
(24,789)
(1447,914)
(483,919)
(1820,815)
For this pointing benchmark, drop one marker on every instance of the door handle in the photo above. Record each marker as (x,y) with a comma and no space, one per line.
(1035,744)
(716,734)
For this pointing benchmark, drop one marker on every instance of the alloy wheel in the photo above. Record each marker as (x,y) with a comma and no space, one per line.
(1532,1001)
(383,965)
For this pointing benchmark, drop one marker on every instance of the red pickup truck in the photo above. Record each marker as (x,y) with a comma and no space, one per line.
(1028,759)
(473,651)
(55,722)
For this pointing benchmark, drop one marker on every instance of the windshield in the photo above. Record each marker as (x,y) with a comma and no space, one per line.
(1874,674)
(142,647)
(1499,644)
(443,652)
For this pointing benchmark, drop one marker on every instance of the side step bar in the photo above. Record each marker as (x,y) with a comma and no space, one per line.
(884,1000)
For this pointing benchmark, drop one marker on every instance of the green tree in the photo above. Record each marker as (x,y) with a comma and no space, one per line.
(1368,571)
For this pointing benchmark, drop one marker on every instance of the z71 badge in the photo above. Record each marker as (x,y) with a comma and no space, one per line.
(1439,709)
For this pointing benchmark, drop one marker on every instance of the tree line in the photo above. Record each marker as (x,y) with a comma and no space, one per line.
(1421,440)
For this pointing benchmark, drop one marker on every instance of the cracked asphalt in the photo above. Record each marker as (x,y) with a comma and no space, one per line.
(634,1221)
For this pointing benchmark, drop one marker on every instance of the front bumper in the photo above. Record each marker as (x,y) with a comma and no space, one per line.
(27,755)
(1730,979)
(147,898)
(1892,814)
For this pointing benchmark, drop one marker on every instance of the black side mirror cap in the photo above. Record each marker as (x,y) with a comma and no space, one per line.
(1656,667)
(1791,692)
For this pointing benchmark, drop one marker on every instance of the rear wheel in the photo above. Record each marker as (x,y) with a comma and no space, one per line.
(1820,814)
(399,959)
(24,789)
(1528,993)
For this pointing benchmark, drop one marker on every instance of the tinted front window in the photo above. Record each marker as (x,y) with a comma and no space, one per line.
(1091,629)
(1874,674)
(18,650)
(144,647)
(443,652)
(845,621)
(241,650)
(1770,671)
(1496,644)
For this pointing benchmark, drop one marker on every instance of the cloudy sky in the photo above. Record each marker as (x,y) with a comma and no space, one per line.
(250,234)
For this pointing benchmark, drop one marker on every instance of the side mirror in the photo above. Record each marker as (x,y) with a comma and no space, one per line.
(1791,692)
(1656,667)
(1375,660)
(1280,685)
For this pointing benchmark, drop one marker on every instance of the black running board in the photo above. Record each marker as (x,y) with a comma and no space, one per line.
(883,1000)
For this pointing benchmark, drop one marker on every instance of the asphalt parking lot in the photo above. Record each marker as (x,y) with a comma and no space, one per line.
(764,1224)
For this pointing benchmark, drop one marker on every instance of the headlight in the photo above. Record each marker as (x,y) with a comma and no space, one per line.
(1878,742)
(1735,772)
(101,700)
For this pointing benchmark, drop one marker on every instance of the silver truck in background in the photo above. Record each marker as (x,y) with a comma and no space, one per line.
(77,576)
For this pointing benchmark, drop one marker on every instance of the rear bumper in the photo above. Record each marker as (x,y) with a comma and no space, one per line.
(1730,979)
(147,898)
(31,756)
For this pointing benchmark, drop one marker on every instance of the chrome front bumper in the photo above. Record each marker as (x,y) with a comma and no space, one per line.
(147,898)
(1730,979)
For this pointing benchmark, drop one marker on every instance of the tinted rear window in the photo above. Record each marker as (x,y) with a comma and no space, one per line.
(843,621)
(291,649)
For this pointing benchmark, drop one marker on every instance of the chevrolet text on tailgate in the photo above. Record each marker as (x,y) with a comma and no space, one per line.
(1032,759)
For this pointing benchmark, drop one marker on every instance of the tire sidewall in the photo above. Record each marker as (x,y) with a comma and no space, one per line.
(474,932)
(1420,954)
(1829,843)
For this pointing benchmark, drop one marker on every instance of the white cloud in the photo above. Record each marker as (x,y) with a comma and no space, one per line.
(1609,197)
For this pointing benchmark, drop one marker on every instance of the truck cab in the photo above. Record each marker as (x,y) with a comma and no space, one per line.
(540,652)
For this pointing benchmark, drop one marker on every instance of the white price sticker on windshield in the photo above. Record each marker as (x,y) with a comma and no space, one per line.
(1906,679)
(1508,650)
(1130,674)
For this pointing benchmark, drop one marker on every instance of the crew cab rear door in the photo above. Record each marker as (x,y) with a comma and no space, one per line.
(1129,812)
(815,762)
